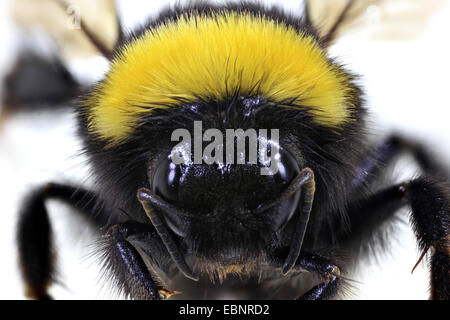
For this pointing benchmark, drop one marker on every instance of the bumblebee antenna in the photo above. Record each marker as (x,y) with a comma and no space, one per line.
(295,185)
(304,181)
(307,13)
(145,197)
(91,36)
(331,35)
(160,203)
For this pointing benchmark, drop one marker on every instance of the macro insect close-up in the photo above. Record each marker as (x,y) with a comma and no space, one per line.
(228,149)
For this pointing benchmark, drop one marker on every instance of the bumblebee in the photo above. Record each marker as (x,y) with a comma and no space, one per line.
(170,227)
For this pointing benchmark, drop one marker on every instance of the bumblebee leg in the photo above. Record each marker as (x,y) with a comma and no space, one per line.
(36,256)
(429,200)
(128,266)
(323,291)
(364,216)
(430,203)
(387,152)
(321,266)
(326,269)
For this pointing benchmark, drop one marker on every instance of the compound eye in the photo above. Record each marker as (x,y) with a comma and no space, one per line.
(166,183)
(287,170)
(166,180)
(287,167)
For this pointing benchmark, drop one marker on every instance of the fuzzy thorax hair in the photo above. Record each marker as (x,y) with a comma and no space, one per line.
(212,57)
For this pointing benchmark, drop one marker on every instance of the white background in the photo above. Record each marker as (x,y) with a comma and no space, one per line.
(406,82)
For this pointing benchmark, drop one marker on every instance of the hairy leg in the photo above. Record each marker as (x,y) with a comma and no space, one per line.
(428,197)
(316,264)
(122,258)
(387,152)
(36,255)
(429,200)
(36,252)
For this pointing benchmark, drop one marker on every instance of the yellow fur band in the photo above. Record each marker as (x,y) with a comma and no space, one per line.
(212,56)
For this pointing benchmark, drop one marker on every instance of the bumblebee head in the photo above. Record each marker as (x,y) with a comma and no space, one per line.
(231,68)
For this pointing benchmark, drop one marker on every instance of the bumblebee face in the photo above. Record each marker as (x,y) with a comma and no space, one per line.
(221,222)
(230,68)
